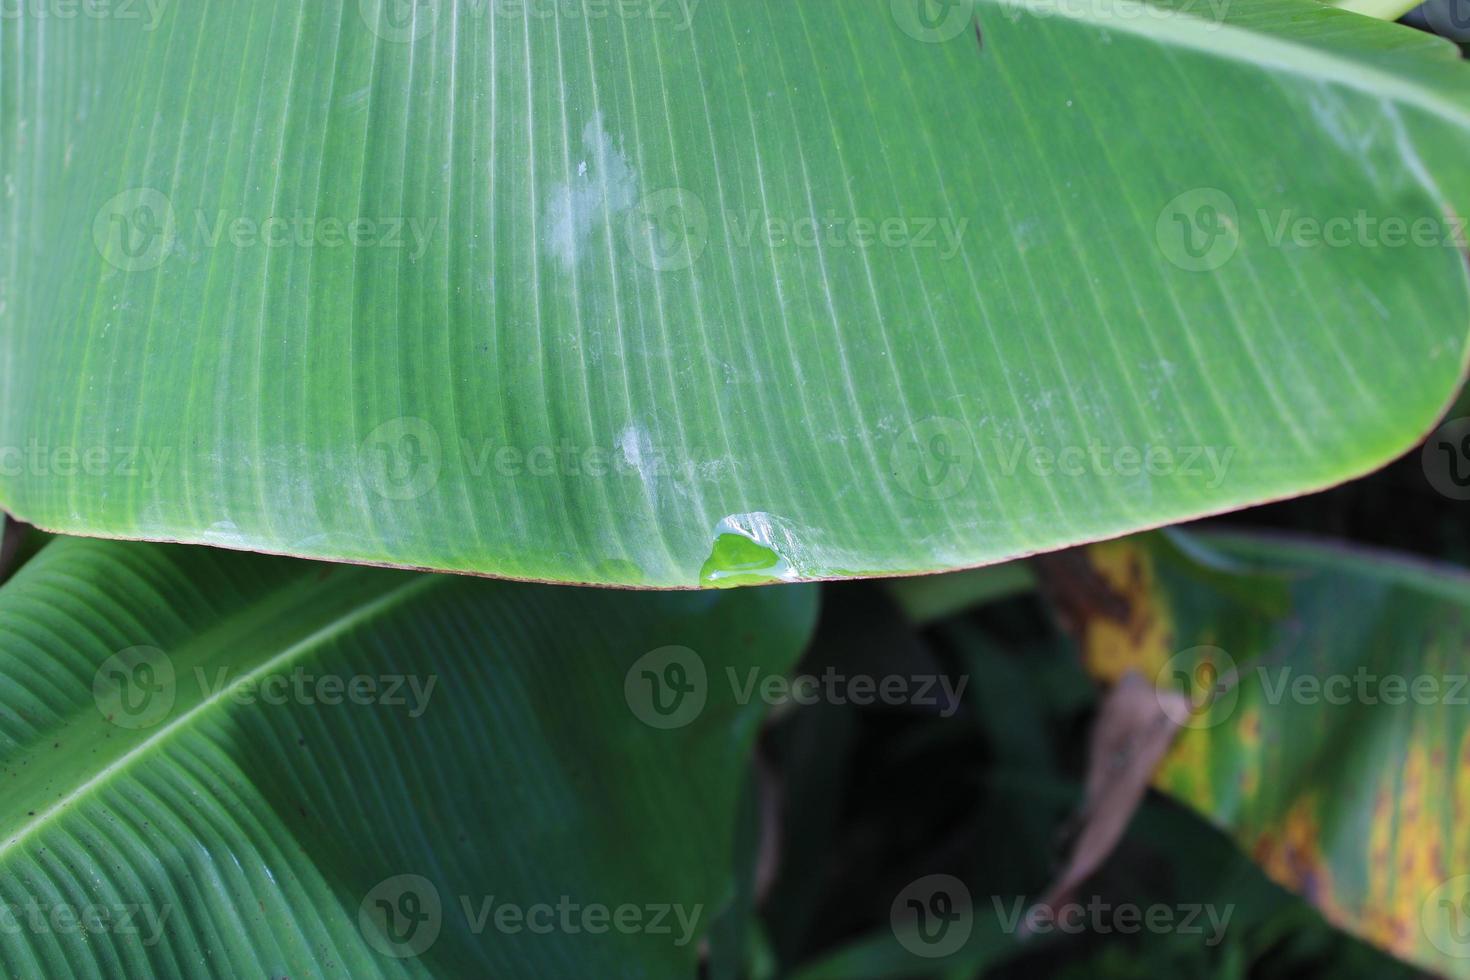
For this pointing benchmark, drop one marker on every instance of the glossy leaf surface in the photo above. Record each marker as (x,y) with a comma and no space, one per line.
(217,764)
(666,294)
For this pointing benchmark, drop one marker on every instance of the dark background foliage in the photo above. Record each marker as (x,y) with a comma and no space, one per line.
(871,798)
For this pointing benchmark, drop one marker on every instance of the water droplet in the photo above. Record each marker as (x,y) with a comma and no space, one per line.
(745,553)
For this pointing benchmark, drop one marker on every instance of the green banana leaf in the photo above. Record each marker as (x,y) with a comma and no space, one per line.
(229,765)
(670,293)
(1329,730)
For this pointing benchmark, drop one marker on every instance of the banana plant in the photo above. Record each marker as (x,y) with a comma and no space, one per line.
(221,764)
(672,294)
(1324,726)
(682,296)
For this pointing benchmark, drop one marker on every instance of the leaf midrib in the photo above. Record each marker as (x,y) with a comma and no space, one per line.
(1233,42)
(168,729)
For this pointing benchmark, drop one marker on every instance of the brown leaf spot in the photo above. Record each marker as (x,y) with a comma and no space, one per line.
(1107,597)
